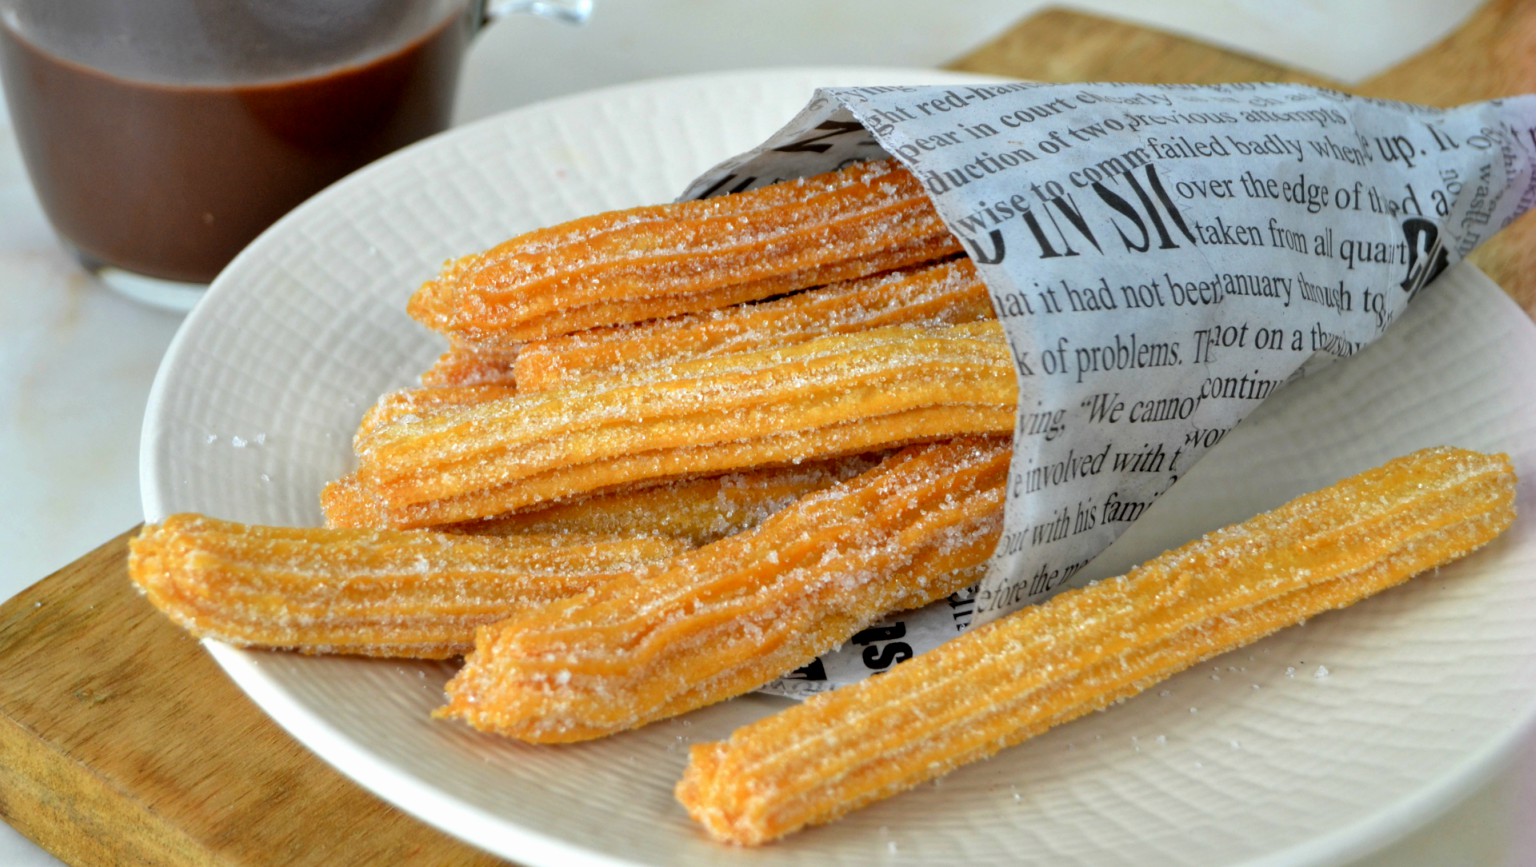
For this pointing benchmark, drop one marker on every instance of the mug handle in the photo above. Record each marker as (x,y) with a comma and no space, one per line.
(569,11)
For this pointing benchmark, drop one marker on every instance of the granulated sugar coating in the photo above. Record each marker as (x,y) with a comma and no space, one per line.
(836,395)
(408,406)
(661,260)
(1088,648)
(469,365)
(694,510)
(697,510)
(367,592)
(946,293)
(724,619)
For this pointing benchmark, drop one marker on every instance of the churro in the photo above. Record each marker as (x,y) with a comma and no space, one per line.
(662,260)
(470,365)
(726,618)
(411,594)
(1086,648)
(410,404)
(945,293)
(836,395)
(345,502)
(695,510)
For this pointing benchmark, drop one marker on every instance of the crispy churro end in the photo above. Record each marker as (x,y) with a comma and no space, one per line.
(404,594)
(432,303)
(693,791)
(144,552)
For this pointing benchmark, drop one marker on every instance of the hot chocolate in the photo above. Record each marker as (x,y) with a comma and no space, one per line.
(172,178)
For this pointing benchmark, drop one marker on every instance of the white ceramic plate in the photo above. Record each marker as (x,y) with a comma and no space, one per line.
(1319,744)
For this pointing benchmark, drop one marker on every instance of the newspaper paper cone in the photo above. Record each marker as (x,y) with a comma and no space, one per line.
(1163,258)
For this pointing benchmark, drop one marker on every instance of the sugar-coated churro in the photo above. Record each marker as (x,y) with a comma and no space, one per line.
(836,395)
(945,293)
(661,260)
(346,503)
(726,618)
(564,320)
(410,404)
(696,510)
(412,594)
(470,365)
(693,509)
(1082,650)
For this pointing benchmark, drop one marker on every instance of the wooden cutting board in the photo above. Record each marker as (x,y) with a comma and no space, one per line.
(122,742)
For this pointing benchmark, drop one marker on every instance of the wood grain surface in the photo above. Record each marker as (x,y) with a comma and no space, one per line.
(121,742)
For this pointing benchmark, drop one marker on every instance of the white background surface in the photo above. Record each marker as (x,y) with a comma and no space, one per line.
(77,361)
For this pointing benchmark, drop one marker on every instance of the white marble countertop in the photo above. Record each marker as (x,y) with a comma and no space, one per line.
(78,360)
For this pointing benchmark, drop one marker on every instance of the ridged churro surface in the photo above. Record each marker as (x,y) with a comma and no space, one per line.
(696,510)
(728,617)
(470,365)
(836,395)
(411,404)
(661,260)
(1084,649)
(944,293)
(376,593)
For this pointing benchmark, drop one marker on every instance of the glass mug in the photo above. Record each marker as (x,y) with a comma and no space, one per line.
(162,136)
